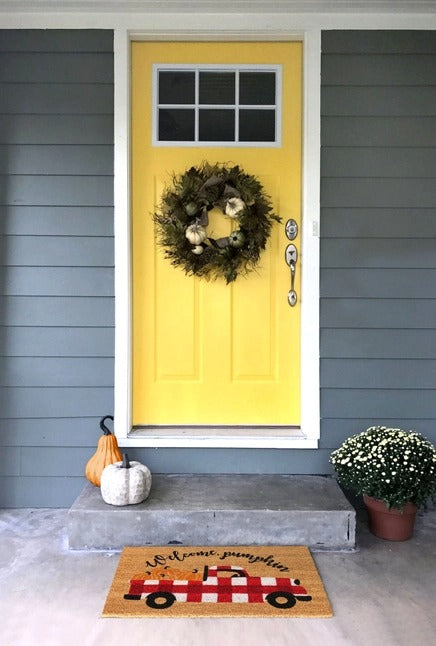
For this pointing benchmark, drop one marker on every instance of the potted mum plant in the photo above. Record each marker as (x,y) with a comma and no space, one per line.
(395,470)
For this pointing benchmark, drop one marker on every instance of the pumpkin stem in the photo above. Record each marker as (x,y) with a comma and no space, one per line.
(103,426)
(126,463)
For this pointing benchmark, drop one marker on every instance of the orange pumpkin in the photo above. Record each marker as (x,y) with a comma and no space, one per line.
(107,453)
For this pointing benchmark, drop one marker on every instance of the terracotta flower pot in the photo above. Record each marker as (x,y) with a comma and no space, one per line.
(390,524)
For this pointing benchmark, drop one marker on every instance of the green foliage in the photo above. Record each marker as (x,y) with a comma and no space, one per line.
(389,464)
(239,195)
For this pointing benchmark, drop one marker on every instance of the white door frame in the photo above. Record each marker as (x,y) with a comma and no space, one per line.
(309,18)
(272,437)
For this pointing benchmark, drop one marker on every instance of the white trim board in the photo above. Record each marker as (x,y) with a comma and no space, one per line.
(134,8)
(201,24)
(220,437)
(262,6)
(310,406)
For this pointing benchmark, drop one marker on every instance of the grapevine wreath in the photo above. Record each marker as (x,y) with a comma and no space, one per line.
(182,220)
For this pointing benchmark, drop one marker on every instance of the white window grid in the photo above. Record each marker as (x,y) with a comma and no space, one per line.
(236,107)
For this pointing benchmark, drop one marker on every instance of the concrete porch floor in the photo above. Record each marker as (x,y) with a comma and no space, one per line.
(382,594)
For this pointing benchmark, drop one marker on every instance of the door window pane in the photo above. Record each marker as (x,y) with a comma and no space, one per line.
(176,124)
(217,125)
(217,88)
(176,87)
(257,125)
(257,88)
(230,105)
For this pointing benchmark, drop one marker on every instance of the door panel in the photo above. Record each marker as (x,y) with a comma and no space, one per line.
(207,353)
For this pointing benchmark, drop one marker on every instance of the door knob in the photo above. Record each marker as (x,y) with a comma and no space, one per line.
(291,255)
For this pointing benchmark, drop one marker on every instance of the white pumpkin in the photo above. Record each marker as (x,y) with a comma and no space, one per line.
(234,207)
(196,234)
(198,250)
(125,483)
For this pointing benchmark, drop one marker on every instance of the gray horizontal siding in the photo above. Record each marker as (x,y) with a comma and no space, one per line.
(78,251)
(50,432)
(336,429)
(377,162)
(56,160)
(396,132)
(304,461)
(41,190)
(47,311)
(46,129)
(378,233)
(44,67)
(378,101)
(46,401)
(10,461)
(378,373)
(378,42)
(382,223)
(39,491)
(57,463)
(379,283)
(378,69)
(56,259)
(56,40)
(395,403)
(379,344)
(57,281)
(48,98)
(55,489)
(379,192)
(353,311)
(56,372)
(400,253)
(31,341)
(56,220)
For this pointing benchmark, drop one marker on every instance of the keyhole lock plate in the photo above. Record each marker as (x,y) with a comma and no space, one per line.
(291,229)
(291,254)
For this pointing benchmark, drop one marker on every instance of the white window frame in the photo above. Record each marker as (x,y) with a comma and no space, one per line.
(308,434)
(196,106)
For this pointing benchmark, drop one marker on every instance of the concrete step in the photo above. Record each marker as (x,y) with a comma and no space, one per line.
(219,510)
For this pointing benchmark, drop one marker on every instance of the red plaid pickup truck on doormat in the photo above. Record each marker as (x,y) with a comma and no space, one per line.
(218,584)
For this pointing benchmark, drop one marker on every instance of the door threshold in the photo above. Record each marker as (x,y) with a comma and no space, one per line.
(261,437)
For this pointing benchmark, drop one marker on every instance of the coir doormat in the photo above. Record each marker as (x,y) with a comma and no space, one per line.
(242,581)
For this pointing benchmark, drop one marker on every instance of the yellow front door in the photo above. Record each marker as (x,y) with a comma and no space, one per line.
(207,353)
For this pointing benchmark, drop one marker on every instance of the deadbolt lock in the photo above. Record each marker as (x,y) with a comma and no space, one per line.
(291,229)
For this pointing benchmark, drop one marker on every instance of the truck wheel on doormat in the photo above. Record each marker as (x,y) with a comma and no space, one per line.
(160,600)
(281,599)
